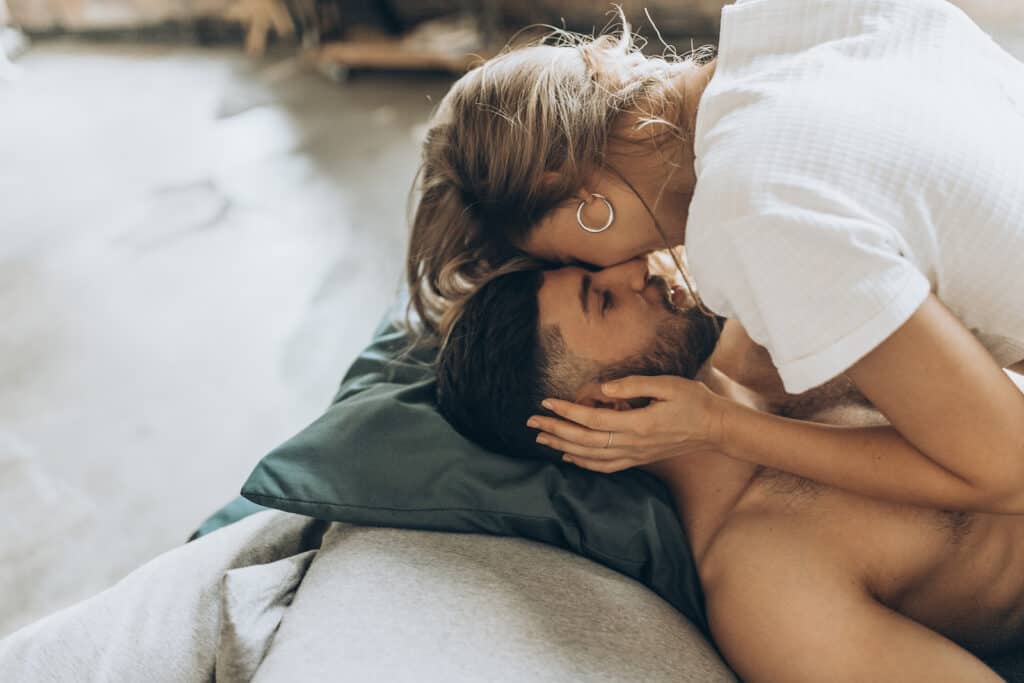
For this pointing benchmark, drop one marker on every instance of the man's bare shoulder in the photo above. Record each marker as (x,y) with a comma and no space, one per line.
(760,535)
(781,514)
(761,574)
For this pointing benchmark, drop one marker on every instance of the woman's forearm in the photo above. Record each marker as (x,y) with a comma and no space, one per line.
(942,391)
(872,461)
(957,434)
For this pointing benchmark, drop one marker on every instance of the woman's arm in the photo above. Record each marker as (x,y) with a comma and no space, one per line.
(874,461)
(952,410)
(957,435)
(956,441)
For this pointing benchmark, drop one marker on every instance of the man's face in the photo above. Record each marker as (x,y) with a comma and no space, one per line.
(617,313)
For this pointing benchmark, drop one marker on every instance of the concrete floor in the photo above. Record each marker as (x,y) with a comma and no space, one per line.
(193,247)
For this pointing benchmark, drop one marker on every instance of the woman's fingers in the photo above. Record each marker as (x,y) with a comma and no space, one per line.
(574,449)
(661,387)
(600,419)
(669,425)
(578,434)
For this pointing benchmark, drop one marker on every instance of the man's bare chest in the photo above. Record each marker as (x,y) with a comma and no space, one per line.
(969,588)
(956,573)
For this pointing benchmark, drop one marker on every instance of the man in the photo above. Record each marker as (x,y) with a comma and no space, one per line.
(802,582)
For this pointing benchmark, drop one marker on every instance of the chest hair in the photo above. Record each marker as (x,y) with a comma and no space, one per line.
(839,402)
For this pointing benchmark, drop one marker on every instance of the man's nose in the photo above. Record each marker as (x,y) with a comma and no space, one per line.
(632,274)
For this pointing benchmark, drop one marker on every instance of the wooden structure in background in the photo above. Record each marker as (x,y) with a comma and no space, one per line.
(259,17)
(323,29)
(337,58)
(453,42)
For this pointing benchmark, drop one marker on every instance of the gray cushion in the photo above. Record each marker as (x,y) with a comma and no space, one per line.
(403,605)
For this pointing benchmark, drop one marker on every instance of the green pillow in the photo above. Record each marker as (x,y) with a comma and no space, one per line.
(383,456)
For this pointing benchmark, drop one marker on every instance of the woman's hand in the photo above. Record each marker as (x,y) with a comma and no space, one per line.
(684,416)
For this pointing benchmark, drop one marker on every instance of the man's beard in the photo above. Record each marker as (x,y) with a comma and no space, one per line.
(682,342)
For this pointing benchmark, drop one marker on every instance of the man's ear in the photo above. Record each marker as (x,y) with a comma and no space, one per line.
(590,394)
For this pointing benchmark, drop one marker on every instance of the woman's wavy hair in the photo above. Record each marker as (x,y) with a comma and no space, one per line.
(551,105)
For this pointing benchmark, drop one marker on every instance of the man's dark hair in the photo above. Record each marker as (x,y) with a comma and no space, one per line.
(489,373)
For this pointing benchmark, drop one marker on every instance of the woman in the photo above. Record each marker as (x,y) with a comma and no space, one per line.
(846,178)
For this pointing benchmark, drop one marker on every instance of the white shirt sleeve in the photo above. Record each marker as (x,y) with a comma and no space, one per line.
(817,288)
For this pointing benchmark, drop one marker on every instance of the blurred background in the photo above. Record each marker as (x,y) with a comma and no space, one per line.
(203,214)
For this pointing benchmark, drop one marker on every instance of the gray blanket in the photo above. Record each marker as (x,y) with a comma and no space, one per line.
(209,608)
(263,600)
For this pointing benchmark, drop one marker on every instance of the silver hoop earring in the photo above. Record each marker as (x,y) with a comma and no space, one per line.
(608,223)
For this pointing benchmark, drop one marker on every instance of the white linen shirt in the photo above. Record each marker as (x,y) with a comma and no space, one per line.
(851,157)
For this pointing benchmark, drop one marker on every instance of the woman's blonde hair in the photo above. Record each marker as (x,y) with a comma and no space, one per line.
(551,105)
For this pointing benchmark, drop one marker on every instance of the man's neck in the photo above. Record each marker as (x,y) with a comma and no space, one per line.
(706,486)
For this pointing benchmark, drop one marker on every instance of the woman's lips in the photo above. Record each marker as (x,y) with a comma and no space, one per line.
(675,297)
(682,297)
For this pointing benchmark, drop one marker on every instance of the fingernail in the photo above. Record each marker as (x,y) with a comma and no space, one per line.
(606,388)
(546,403)
(566,458)
(531,423)
(542,440)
